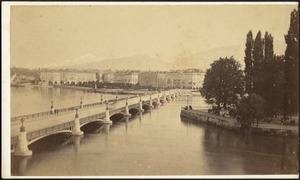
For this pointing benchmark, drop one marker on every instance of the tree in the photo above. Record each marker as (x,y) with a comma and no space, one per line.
(291,67)
(249,63)
(274,86)
(269,73)
(258,58)
(223,82)
(269,52)
(249,109)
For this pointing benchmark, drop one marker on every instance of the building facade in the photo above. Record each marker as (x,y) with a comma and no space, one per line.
(66,77)
(126,77)
(108,77)
(154,79)
(188,79)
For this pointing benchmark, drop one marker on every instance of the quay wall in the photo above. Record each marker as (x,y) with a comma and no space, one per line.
(232,124)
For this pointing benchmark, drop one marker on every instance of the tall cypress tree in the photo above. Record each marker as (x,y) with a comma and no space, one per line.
(269,72)
(249,63)
(269,52)
(258,58)
(291,67)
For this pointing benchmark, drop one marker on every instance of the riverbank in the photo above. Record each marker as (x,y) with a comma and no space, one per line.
(232,124)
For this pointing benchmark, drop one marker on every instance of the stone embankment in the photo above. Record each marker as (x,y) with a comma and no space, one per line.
(232,124)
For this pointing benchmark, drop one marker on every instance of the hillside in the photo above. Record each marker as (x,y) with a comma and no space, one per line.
(203,60)
(138,62)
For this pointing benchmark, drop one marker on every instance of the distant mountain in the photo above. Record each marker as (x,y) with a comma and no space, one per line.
(203,60)
(138,62)
(86,58)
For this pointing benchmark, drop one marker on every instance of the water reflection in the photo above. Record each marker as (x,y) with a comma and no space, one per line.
(126,119)
(140,114)
(221,144)
(20,164)
(76,142)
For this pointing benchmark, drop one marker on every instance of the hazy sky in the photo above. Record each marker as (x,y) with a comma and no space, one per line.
(53,34)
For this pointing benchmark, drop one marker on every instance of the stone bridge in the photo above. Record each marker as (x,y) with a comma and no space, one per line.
(44,124)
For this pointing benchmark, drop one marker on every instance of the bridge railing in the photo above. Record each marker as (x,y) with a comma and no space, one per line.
(93,117)
(43,132)
(69,109)
(31,115)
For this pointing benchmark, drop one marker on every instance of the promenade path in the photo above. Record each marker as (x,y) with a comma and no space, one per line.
(261,125)
(33,124)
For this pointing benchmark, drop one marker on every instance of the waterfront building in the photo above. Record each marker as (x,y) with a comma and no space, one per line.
(151,78)
(108,77)
(185,79)
(129,77)
(56,77)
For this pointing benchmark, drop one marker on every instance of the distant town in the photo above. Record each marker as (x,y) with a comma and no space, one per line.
(126,79)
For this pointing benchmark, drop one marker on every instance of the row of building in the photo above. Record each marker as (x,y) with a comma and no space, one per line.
(187,79)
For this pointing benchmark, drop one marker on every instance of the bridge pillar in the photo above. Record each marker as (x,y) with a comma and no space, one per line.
(81,103)
(158,100)
(170,96)
(106,119)
(22,146)
(151,106)
(164,98)
(141,105)
(52,108)
(127,114)
(76,129)
(178,93)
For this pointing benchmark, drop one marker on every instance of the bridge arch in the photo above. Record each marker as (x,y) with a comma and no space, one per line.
(68,130)
(91,126)
(117,117)
(133,111)
(146,106)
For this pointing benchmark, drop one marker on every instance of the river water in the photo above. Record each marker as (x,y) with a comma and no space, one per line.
(32,99)
(155,143)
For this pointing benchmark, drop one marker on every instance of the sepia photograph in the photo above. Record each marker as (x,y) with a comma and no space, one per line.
(150,90)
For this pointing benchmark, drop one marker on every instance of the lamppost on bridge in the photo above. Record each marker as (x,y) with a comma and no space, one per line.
(76,115)
(22,128)
(81,102)
(101,99)
(116,96)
